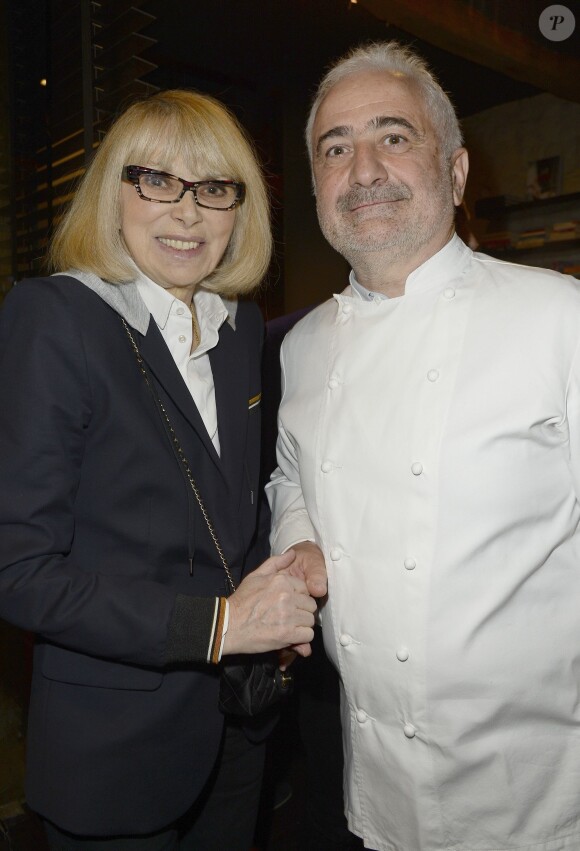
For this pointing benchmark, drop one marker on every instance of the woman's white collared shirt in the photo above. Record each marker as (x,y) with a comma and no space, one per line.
(173,318)
(431,445)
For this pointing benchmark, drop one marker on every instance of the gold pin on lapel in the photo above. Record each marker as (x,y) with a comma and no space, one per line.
(255,400)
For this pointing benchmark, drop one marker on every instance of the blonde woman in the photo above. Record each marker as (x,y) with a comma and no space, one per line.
(137,344)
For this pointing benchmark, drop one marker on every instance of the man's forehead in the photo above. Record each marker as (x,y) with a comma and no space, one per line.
(358,99)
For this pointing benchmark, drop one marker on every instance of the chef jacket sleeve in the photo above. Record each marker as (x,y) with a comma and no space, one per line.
(291,523)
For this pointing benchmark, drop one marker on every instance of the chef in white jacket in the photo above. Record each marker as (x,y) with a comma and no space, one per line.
(429,457)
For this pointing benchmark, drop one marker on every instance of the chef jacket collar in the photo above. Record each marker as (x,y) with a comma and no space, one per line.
(444,266)
(361,292)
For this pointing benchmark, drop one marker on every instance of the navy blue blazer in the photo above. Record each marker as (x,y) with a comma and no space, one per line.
(97,529)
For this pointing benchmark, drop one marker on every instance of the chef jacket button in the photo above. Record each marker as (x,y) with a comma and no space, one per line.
(345,640)
(335,554)
(402,654)
(416,468)
(326,466)
(410,564)
(409,731)
(361,716)
(346,308)
(333,383)
(180,311)
(182,338)
(449,293)
(433,374)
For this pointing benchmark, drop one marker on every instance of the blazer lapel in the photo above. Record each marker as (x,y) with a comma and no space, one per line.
(158,358)
(229,364)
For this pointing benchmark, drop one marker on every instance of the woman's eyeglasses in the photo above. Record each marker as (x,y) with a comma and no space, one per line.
(164,188)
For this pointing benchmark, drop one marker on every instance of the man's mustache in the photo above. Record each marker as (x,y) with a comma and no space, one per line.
(358,196)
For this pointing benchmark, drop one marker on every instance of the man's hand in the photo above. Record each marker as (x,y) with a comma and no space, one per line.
(309,565)
(271,609)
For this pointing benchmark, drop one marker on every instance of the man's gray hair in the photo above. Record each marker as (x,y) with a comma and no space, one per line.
(395,58)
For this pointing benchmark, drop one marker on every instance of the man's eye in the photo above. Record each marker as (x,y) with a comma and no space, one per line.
(336,151)
(395,141)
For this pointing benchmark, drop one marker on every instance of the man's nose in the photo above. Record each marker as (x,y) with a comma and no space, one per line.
(367,166)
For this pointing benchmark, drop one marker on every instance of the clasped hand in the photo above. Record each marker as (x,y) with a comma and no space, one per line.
(273,607)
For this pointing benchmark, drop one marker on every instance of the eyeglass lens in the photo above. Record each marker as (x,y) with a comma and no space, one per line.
(160,187)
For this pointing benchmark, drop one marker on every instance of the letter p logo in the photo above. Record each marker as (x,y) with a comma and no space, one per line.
(557,23)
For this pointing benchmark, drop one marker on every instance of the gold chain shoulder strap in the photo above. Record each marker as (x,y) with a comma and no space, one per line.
(180,455)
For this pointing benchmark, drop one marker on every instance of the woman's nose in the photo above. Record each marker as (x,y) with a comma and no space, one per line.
(186,210)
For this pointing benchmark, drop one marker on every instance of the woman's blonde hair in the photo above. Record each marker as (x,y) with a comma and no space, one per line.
(166,126)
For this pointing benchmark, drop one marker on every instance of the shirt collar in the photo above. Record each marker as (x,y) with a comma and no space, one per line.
(159,302)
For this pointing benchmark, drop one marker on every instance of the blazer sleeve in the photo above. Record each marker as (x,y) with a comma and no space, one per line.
(46,408)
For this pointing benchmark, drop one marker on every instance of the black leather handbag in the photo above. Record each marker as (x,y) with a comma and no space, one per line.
(253,685)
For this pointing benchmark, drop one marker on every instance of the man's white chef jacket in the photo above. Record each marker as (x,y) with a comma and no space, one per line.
(430,444)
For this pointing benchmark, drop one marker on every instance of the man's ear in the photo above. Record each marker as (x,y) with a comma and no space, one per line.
(459,169)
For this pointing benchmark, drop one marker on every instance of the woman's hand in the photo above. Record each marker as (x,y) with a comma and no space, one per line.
(286,657)
(271,609)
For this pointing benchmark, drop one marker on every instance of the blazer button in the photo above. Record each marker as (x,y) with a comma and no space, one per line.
(416,468)
(326,466)
(410,564)
(335,554)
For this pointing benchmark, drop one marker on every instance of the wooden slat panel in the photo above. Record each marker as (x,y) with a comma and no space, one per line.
(131,45)
(110,101)
(124,74)
(109,12)
(123,25)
